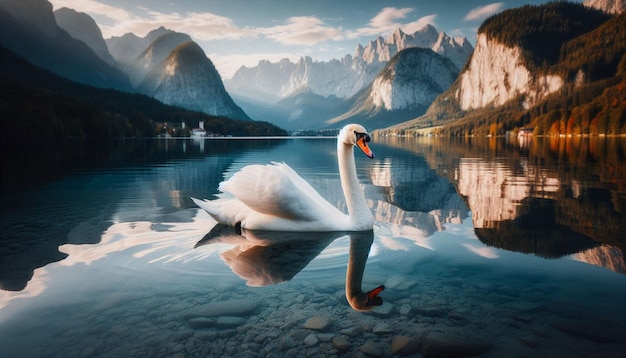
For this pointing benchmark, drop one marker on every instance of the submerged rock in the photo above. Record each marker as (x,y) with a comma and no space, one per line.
(341,343)
(311,340)
(371,349)
(317,323)
(403,345)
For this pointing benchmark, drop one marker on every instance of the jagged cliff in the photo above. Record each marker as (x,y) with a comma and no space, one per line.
(497,74)
(82,27)
(405,87)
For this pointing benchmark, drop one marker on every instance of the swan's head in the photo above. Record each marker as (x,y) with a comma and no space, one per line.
(363,301)
(356,134)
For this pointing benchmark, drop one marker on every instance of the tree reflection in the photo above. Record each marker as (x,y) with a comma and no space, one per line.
(554,196)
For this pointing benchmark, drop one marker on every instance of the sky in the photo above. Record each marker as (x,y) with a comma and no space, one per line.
(235,33)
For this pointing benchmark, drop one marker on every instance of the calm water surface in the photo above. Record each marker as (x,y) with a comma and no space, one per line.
(486,248)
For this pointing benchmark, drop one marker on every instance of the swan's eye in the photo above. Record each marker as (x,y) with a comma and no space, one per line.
(365,136)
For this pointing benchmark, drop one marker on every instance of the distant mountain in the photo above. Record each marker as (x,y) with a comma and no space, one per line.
(610,6)
(340,78)
(187,78)
(557,68)
(405,88)
(127,48)
(158,51)
(82,27)
(29,28)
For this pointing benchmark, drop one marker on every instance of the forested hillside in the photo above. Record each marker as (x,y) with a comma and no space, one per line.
(41,110)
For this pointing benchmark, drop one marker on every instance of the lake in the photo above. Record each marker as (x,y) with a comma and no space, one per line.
(486,247)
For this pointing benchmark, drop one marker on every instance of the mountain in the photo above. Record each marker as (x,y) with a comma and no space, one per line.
(158,51)
(187,78)
(48,109)
(340,78)
(610,6)
(82,27)
(29,28)
(405,87)
(550,67)
(125,49)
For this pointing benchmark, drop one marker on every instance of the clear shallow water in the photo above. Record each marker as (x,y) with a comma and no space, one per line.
(484,248)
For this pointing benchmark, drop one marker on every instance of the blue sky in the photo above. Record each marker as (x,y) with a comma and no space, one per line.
(242,32)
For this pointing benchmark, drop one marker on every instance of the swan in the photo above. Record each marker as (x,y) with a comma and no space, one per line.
(274,197)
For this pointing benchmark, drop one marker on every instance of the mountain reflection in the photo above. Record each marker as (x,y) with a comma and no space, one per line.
(554,197)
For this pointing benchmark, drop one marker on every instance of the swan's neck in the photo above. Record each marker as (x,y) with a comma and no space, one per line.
(360,244)
(358,211)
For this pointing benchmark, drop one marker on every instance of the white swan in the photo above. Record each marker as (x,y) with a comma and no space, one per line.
(275,197)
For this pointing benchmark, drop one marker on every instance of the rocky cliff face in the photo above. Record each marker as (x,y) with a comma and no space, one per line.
(29,29)
(414,78)
(610,6)
(156,53)
(82,27)
(496,74)
(187,78)
(405,87)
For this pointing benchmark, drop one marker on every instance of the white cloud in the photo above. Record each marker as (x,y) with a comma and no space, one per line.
(388,16)
(411,27)
(386,21)
(302,30)
(482,12)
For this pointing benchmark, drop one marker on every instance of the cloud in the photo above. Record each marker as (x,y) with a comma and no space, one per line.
(388,15)
(205,26)
(386,21)
(302,30)
(482,12)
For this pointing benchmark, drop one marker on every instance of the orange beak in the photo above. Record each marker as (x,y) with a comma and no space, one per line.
(375,292)
(362,144)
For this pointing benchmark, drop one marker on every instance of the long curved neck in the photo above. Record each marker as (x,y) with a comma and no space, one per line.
(360,243)
(358,211)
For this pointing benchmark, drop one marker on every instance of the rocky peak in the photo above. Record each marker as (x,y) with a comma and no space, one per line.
(37,14)
(610,6)
(188,78)
(82,27)
(158,51)
(413,78)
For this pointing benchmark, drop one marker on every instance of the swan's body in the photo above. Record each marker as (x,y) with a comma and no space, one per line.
(274,197)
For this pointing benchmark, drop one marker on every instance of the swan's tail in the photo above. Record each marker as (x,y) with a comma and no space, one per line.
(206,206)
(223,210)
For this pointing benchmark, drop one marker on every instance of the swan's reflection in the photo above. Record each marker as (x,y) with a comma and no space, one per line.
(270,257)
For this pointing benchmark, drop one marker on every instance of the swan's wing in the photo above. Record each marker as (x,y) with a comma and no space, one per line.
(277,190)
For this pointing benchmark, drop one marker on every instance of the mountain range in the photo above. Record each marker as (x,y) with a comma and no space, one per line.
(291,93)
(565,75)
(404,81)
(70,44)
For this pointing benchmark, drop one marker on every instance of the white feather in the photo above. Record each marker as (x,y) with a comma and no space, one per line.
(275,197)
